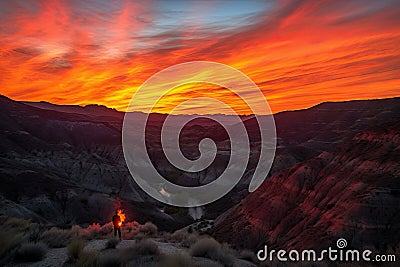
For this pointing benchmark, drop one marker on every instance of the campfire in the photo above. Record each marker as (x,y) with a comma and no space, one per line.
(121,214)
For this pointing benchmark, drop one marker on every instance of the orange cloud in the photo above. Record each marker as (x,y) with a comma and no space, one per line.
(298,53)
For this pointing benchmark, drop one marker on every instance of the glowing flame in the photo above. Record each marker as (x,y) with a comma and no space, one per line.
(122,216)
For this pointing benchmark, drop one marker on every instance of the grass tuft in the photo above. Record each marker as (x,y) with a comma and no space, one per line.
(110,260)
(210,248)
(148,229)
(56,237)
(75,249)
(88,259)
(31,252)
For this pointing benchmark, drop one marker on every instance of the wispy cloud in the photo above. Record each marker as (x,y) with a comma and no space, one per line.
(299,52)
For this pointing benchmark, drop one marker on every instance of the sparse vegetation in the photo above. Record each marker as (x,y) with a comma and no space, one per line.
(183,237)
(210,248)
(140,237)
(145,247)
(110,260)
(173,260)
(75,248)
(144,252)
(12,233)
(148,229)
(30,252)
(130,230)
(56,238)
(88,259)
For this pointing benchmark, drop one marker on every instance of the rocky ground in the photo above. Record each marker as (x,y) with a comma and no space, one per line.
(59,256)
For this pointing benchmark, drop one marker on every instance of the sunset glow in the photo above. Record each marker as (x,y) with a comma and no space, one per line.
(298,53)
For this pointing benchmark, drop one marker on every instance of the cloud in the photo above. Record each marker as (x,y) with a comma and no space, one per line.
(300,53)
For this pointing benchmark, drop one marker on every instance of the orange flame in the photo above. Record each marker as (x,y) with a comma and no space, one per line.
(122,216)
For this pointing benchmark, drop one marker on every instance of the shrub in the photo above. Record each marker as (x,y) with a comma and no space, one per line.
(140,237)
(10,239)
(205,247)
(142,248)
(92,231)
(29,252)
(110,260)
(17,223)
(174,260)
(112,243)
(183,237)
(75,248)
(149,229)
(146,247)
(190,240)
(76,231)
(106,229)
(130,229)
(178,236)
(87,259)
(210,248)
(56,238)
(13,231)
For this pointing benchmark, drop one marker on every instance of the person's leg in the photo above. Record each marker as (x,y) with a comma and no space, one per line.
(119,233)
(115,231)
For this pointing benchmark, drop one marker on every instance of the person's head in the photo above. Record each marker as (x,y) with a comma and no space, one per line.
(116,212)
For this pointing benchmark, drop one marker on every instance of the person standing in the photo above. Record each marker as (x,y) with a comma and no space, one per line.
(117,224)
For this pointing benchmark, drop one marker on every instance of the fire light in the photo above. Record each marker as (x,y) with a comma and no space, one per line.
(122,216)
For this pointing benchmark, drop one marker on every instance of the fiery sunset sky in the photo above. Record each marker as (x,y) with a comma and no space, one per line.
(299,53)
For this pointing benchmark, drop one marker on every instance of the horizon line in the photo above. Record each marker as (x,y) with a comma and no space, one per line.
(193,114)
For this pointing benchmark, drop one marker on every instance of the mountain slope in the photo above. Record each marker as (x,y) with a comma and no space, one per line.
(67,168)
(74,153)
(351,191)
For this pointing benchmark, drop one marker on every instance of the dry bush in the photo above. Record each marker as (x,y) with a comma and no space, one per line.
(177,237)
(140,237)
(106,229)
(181,236)
(76,231)
(190,240)
(130,230)
(10,239)
(142,248)
(210,248)
(112,243)
(149,229)
(75,249)
(30,252)
(146,247)
(174,260)
(56,237)
(204,247)
(12,222)
(13,231)
(97,231)
(110,260)
(88,259)
(93,231)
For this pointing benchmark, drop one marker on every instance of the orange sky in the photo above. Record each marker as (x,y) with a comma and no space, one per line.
(298,53)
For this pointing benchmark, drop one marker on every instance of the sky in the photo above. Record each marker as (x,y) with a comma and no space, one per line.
(299,53)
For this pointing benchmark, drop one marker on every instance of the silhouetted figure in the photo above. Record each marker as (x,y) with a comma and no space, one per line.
(117,224)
